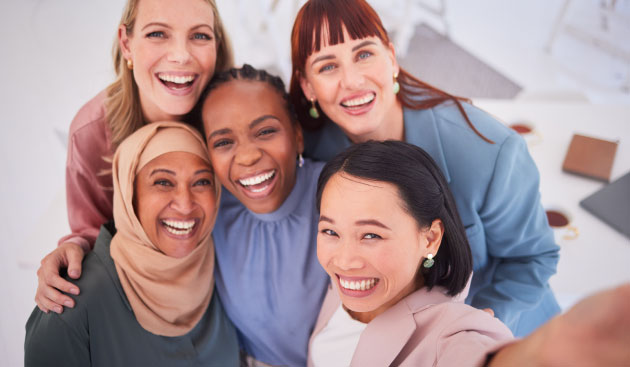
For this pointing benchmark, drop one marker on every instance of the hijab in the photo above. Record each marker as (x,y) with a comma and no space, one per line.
(168,295)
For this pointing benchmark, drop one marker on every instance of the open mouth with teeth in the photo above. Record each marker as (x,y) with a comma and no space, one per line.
(357,287)
(179,227)
(258,184)
(358,103)
(176,82)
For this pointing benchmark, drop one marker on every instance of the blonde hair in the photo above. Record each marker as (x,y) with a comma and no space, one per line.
(122,107)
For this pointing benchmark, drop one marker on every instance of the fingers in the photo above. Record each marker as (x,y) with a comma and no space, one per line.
(74,256)
(50,285)
(50,299)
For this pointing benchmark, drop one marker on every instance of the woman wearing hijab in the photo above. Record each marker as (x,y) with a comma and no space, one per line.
(148,284)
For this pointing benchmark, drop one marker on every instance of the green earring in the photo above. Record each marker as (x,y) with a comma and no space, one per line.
(313,110)
(428,263)
(396,84)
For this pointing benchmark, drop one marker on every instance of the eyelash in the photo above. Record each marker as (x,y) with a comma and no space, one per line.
(162,182)
(363,53)
(326,68)
(196,36)
(371,238)
(329,232)
(155,34)
(204,36)
(267,131)
(203,182)
(221,143)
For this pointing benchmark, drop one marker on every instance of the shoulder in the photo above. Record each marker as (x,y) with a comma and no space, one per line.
(453,126)
(65,337)
(89,132)
(93,112)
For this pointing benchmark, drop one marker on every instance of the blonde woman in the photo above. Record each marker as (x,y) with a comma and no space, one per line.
(164,55)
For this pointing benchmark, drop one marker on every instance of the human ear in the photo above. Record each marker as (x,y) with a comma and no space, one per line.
(307,88)
(392,56)
(123,41)
(434,236)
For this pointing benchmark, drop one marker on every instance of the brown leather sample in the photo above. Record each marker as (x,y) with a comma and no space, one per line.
(591,157)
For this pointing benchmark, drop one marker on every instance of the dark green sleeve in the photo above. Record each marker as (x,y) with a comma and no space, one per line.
(57,340)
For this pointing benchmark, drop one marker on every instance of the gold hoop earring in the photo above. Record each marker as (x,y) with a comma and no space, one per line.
(396,84)
(313,110)
(129,64)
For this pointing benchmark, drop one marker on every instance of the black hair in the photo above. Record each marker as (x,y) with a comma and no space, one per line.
(425,196)
(247,72)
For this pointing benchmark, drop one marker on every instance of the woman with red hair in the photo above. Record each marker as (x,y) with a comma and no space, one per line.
(347,87)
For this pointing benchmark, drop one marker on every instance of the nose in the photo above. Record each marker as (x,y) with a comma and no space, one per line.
(347,257)
(247,155)
(352,77)
(183,200)
(178,50)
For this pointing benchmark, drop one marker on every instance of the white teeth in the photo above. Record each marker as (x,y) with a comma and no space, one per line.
(179,228)
(176,79)
(180,224)
(257,179)
(362,285)
(178,232)
(359,101)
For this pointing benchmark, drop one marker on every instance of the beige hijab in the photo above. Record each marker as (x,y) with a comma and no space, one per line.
(168,295)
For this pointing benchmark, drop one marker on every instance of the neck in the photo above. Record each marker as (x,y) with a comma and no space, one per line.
(392,128)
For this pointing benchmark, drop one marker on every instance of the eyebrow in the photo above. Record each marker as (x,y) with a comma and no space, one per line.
(219,132)
(203,170)
(364,222)
(252,124)
(363,44)
(162,170)
(329,57)
(371,222)
(159,24)
(261,119)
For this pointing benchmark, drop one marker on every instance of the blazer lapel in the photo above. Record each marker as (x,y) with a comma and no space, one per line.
(384,337)
(421,130)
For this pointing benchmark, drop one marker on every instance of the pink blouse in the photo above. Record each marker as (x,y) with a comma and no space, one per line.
(89,192)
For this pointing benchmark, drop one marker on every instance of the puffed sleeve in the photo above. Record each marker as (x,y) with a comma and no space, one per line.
(85,208)
(518,234)
(52,341)
(89,193)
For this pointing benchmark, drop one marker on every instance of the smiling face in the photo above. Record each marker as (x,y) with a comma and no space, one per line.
(353,83)
(252,142)
(175,201)
(173,50)
(369,245)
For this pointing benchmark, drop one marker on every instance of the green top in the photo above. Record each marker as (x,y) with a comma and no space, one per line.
(102,330)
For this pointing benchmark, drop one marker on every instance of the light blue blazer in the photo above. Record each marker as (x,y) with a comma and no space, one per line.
(496,189)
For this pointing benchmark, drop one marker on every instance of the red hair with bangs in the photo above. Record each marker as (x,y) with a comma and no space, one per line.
(317,18)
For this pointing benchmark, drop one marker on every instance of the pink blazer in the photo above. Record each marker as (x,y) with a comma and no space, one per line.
(427,328)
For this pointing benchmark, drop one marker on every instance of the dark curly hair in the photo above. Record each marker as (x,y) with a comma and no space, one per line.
(247,72)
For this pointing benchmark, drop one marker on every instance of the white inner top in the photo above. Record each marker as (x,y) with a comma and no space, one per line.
(334,346)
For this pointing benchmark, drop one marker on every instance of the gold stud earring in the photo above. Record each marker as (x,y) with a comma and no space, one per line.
(129,64)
